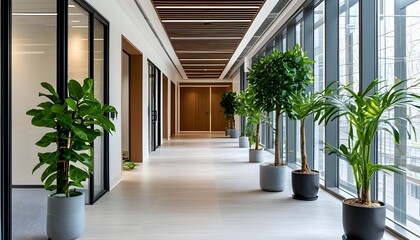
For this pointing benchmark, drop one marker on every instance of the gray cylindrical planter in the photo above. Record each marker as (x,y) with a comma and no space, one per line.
(256,156)
(65,217)
(272,178)
(227,131)
(243,142)
(305,185)
(365,223)
(234,133)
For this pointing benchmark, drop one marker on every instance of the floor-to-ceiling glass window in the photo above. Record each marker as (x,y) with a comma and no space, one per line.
(99,78)
(78,50)
(398,58)
(348,73)
(319,85)
(299,38)
(33,61)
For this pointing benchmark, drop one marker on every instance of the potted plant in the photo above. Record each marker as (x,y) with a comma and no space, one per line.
(368,112)
(242,110)
(275,78)
(305,182)
(229,103)
(72,122)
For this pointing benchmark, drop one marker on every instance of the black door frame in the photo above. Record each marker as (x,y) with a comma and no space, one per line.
(155,79)
(5,115)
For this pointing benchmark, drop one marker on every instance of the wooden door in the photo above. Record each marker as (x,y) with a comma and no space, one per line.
(187,108)
(218,121)
(202,108)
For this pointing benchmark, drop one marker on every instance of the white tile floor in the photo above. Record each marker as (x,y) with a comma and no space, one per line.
(199,188)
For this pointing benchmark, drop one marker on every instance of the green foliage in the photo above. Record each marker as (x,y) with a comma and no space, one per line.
(275,78)
(368,113)
(72,121)
(129,165)
(229,103)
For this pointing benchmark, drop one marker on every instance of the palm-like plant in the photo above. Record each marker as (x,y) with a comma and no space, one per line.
(304,105)
(367,114)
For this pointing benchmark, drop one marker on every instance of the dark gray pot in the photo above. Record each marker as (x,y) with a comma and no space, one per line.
(234,133)
(65,217)
(243,142)
(363,223)
(305,186)
(256,156)
(272,178)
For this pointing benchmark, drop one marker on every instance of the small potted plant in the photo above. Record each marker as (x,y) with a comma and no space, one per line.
(74,123)
(242,110)
(368,113)
(305,182)
(229,103)
(275,78)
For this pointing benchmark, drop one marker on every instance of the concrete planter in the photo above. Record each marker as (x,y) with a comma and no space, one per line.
(243,142)
(234,133)
(272,178)
(256,156)
(363,223)
(65,217)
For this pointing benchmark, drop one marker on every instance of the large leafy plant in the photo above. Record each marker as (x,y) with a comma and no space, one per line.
(304,105)
(255,116)
(369,112)
(72,121)
(229,103)
(275,78)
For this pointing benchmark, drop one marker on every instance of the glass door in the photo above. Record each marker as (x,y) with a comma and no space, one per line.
(154,106)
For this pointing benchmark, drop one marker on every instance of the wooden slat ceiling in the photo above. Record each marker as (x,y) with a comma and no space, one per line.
(205,34)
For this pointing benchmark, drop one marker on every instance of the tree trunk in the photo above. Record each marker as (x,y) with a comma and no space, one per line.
(276,139)
(61,167)
(305,167)
(257,137)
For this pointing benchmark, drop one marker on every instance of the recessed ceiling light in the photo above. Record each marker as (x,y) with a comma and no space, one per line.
(206,38)
(204,51)
(205,20)
(33,14)
(71,6)
(207,7)
(203,59)
(199,64)
(75,21)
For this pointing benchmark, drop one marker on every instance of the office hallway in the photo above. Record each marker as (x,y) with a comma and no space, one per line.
(199,188)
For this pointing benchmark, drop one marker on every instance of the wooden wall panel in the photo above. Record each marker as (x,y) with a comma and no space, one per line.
(165,115)
(187,108)
(173,87)
(202,109)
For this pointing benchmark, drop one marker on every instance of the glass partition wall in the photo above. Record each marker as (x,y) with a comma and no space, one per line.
(40,55)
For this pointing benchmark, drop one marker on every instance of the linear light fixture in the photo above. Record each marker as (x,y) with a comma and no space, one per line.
(33,14)
(205,70)
(203,65)
(205,20)
(71,6)
(207,7)
(204,59)
(204,51)
(206,38)
(79,26)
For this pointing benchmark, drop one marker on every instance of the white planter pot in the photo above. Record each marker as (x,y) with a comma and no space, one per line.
(272,178)
(65,217)
(243,142)
(256,156)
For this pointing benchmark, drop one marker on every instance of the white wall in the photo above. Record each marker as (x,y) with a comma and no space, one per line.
(125,19)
